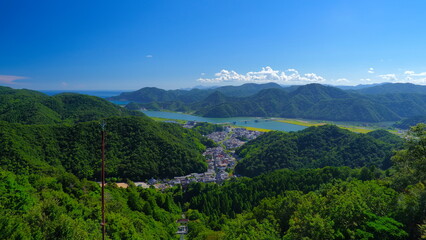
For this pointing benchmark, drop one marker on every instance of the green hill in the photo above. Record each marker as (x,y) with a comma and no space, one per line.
(39,132)
(152,94)
(137,148)
(404,104)
(394,88)
(32,107)
(315,147)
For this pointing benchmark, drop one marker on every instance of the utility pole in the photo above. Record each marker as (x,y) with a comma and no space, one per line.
(183,228)
(103,179)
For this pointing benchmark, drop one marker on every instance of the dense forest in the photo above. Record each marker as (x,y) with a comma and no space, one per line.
(312,101)
(316,147)
(32,107)
(48,167)
(138,148)
(152,94)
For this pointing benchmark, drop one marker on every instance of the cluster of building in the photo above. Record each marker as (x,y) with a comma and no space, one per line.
(221,159)
(243,133)
(218,136)
(219,162)
(190,124)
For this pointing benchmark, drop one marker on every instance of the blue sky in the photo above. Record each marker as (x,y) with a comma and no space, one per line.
(127,45)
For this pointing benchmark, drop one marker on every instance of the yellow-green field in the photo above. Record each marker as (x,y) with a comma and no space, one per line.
(355,129)
(300,122)
(255,129)
(310,124)
(165,119)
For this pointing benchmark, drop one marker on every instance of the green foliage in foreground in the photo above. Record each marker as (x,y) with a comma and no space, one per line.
(242,194)
(137,148)
(316,147)
(63,207)
(344,210)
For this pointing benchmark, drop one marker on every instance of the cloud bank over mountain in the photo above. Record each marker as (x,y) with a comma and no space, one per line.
(267,74)
(293,76)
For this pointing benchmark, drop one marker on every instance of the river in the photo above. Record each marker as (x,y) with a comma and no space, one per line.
(238,121)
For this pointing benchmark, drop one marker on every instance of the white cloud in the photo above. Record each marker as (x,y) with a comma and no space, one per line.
(416,78)
(342,80)
(389,77)
(267,74)
(148,56)
(371,70)
(413,74)
(10,79)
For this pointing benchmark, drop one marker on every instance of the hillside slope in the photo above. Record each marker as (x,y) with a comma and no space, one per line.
(137,148)
(315,147)
(393,88)
(32,107)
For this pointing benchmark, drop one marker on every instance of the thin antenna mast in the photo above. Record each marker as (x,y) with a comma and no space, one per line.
(103,179)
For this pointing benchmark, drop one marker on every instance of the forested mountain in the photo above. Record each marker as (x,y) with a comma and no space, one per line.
(404,104)
(32,107)
(152,94)
(138,148)
(316,147)
(312,101)
(39,132)
(393,88)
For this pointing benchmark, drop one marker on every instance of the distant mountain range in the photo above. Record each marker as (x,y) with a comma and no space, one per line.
(389,88)
(152,94)
(385,102)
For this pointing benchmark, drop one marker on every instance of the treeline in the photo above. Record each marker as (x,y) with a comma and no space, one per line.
(316,147)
